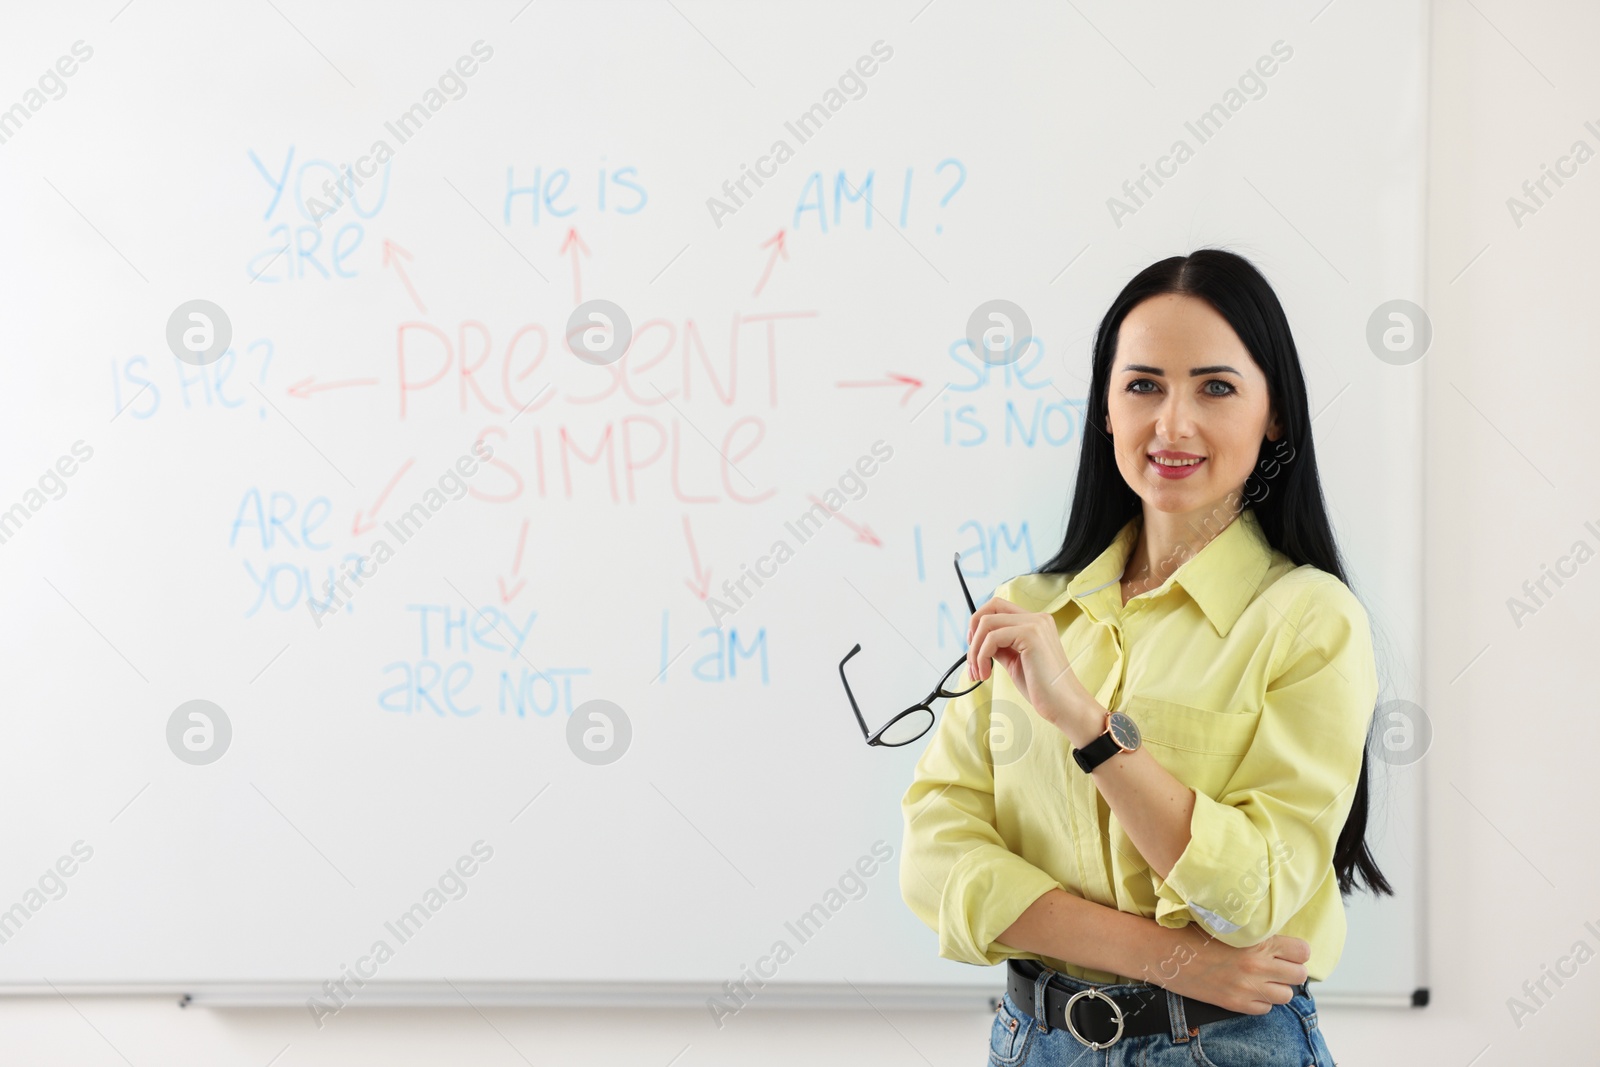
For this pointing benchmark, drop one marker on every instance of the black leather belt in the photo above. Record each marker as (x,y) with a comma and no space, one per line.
(1101,1019)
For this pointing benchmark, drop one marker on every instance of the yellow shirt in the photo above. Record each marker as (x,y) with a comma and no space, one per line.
(1252,682)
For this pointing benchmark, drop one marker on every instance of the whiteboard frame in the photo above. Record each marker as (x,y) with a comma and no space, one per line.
(792,996)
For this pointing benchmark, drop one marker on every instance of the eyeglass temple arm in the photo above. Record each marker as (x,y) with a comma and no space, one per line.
(971,607)
(853,707)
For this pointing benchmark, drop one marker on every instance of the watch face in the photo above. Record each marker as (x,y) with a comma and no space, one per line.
(1124,731)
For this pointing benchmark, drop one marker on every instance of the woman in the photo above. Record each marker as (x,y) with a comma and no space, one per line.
(1174,871)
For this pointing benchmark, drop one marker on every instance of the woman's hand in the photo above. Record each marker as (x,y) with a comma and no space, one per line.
(1028,646)
(1250,980)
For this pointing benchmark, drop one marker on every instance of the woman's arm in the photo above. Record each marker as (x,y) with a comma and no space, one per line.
(1184,959)
(1064,926)
(1290,793)
(1153,807)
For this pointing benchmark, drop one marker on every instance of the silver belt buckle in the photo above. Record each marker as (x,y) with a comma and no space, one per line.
(1115,1007)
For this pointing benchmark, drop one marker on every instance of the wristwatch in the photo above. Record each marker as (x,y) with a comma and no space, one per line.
(1122,735)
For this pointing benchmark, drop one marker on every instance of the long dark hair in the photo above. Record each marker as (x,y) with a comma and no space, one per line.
(1288,500)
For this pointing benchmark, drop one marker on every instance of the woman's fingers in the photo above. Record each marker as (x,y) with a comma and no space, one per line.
(994,606)
(1293,949)
(996,633)
(977,628)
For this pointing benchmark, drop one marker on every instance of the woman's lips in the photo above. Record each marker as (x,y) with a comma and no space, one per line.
(1174,472)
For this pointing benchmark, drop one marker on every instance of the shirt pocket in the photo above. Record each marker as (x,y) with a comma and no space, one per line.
(1200,748)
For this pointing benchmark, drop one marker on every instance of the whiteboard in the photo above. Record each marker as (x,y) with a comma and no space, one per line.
(413,748)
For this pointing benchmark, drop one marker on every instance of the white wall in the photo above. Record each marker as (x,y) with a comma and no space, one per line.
(1510,416)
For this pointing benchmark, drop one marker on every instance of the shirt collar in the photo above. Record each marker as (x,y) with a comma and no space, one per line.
(1222,578)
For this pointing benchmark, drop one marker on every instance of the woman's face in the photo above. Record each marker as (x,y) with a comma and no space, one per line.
(1182,382)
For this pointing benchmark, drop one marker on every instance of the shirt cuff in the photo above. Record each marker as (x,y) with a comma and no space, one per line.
(988,889)
(1204,880)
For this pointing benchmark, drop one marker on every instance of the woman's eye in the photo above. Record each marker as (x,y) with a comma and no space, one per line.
(1227,387)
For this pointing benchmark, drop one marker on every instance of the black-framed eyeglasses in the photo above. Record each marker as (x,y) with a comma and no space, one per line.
(916,720)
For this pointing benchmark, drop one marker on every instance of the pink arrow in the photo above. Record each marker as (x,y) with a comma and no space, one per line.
(392,254)
(574,242)
(358,527)
(701,586)
(912,384)
(516,566)
(863,533)
(780,250)
(307,386)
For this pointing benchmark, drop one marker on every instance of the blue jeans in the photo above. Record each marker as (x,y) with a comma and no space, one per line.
(1286,1035)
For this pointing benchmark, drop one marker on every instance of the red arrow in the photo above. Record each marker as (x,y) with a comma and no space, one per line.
(574,242)
(306,386)
(701,586)
(390,257)
(776,239)
(358,527)
(863,533)
(912,384)
(516,565)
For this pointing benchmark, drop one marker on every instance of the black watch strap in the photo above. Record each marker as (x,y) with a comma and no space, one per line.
(1096,752)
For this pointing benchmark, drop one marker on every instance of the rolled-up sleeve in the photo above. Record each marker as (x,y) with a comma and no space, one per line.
(1263,847)
(956,873)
